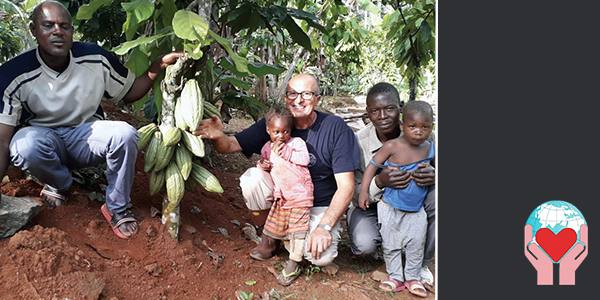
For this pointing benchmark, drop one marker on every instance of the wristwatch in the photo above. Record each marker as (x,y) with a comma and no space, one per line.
(325,226)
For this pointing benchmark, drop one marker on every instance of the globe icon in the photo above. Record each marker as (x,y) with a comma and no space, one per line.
(556,215)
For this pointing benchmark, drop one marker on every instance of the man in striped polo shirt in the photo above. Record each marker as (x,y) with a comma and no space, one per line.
(50,115)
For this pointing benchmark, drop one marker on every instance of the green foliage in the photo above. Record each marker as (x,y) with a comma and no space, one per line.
(411,30)
(87,11)
(227,70)
(244,47)
(10,41)
(189,26)
(14,32)
(143,40)
(137,12)
(252,16)
(100,21)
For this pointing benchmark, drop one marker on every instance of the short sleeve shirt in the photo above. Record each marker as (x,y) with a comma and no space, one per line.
(34,94)
(332,148)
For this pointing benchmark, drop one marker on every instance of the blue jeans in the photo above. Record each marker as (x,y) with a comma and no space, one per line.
(50,153)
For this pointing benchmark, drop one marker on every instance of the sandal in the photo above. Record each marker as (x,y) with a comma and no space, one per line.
(416,288)
(117,220)
(52,197)
(287,279)
(427,279)
(392,285)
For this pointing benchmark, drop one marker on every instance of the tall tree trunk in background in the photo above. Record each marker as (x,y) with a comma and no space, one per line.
(261,91)
(413,88)
(292,66)
(414,80)
(271,79)
(336,83)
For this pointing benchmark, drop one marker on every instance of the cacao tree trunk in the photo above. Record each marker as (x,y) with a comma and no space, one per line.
(171,87)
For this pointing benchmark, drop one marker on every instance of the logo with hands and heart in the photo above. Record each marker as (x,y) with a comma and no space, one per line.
(556,233)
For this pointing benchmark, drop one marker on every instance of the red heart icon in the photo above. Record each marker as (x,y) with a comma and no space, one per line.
(556,245)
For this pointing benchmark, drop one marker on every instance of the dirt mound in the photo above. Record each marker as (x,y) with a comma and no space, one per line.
(40,263)
(42,252)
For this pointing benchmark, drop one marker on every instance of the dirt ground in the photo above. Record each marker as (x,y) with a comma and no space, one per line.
(71,253)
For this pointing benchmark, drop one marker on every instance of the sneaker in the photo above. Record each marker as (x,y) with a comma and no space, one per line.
(426,276)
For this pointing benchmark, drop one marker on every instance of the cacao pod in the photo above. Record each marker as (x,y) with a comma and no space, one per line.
(156,182)
(179,116)
(163,156)
(150,155)
(171,135)
(183,158)
(210,110)
(145,134)
(175,186)
(193,143)
(206,179)
(191,104)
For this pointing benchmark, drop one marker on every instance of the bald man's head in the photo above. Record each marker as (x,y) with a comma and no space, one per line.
(312,80)
(38,10)
(302,95)
(52,28)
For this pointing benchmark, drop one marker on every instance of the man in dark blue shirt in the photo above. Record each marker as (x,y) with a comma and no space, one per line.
(334,156)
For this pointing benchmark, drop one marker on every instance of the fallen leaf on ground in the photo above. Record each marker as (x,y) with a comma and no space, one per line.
(190,229)
(154,212)
(195,209)
(224,232)
(379,276)
(331,269)
(272,270)
(250,233)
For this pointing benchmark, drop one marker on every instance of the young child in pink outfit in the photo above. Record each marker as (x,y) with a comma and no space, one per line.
(287,159)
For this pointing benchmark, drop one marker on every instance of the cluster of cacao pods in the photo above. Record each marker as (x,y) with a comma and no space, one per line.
(170,150)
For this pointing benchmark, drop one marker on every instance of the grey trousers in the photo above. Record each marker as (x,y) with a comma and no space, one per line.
(364,233)
(402,231)
(50,153)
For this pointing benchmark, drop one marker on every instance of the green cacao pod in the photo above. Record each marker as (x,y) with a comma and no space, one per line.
(156,182)
(163,156)
(171,135)
(183,158)
(150,155)
(179,116)
(210,110)
(206,179)
(145,134)
(191,104)
(175,186)
(193,143)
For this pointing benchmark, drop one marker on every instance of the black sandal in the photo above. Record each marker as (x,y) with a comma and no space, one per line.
(117,220)
(52,197)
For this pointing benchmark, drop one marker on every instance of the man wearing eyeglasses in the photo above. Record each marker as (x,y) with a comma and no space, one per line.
(334,156)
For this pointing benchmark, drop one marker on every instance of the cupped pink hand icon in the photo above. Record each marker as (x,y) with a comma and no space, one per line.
(537,257)
(573,259)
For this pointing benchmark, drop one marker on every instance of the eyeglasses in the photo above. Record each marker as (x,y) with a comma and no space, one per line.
(306,95)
